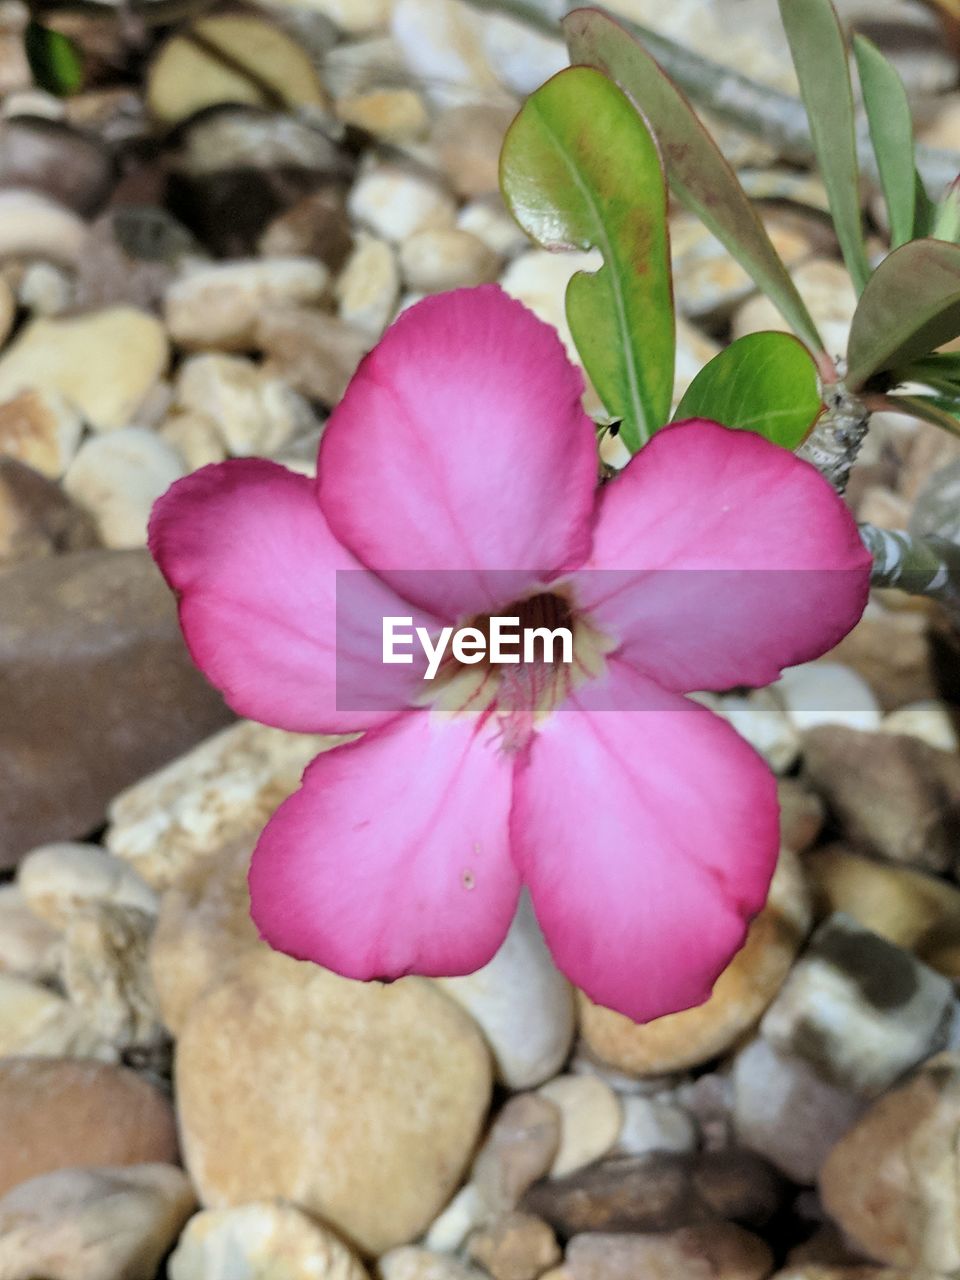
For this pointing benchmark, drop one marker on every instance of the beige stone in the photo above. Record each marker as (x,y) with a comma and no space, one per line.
(315,353)
(407,1262)
(517,1246)
(107,978)
(394,115)
(34,226)
(195,436)
(395,202)
(369,286)
(741,995)
(224,789)
(36,1022)
(254,413)
(590,1120)
(519,1148)
(359,1102)
(713,1251)
(265,1241)
(39,428)
(60,880)
(446,258)
(29,947)
(103,363)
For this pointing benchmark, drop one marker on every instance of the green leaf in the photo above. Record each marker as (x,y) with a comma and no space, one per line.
(891,132)
(910,306)
(56,63)
(820,57)
(765,382)
(926,212)
(700,176)
(579,170)
(942,411)
(940,370)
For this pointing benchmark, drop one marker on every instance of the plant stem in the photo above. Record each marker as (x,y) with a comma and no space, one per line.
(920,566)
(775,117)
(833,444)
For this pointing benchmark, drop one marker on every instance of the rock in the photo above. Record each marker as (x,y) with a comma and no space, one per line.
(519,1148)
(390,115)
(93,1224)
(742,993)
(361,1103)
(522,1004)
(45,289)
(395,203)
(720,1251)
(442,46)
(650,1125)
(36,518)
(317,226)
(827,693)
(831,300)
(132,256)
(32,226)
(785,1111)
(224,789)
(891,650)
(29,947)
(118,477)
(195,437)
(930,721)
(449,1229)
(467,140)
(860,1010)
(60,880)
(446,258)
(36,1022)
(909,908)
(488,220)
(254,1240)
(801,814)
(59,1113)
(759,717)
(891,793)
(217,305)
(97,690)
(890,1184)
(103,363)
(203,927)
(590,1120)
(57,161)
(354,17)
(369,288)
(106,975)
(659,1193)
(188,74)
(515,1247)
(521,58)
(315,353)
(253,412)
(410,1263)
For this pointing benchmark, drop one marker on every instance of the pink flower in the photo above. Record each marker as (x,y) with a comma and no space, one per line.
(461,468)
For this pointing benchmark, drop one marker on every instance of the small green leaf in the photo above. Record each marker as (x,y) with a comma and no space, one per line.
(891,132)
(579,169)
(698,173)
(940,370)
(910,306)
(55,61)
(926,212)
(765,382)
(820,57)
(942,411)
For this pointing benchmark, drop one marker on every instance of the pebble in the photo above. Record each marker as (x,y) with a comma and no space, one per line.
(450,1228)
(226,788)
(488,220)
(254,413)
(58,881)
(354,17)
(890,1184)
(59,1113)
(37,519)
(522,1004)
(218,305)
(104,363)
(268,1239)
(315,353)
(441,44)
(742,993)
(195,436)
(860,1010)
(801,814)
(410,1263)
(892,794)
(41,429)
(519,1148)
(446,258)
(391,115)
(650,1125)
(34,226)
(929,721)
(787,1112)
(517,1246)
(659,1193)
(29,947)
(45,289)
(117,477)
(36,1022)
(316,226)
(395,203)
(93,1224)
(62,163)
(831,300)
(468,140)
(718,1251)
(521,58)
(759,717)
(106,976)
(360,1102)
(368,290)
(590,1121)
(827,693)
(891,651)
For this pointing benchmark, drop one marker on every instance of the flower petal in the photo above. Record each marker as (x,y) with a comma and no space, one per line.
(393,856)
(720,558)
(648,839)
(246,548)
(461,445)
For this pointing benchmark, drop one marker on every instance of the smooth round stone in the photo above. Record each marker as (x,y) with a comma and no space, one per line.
(522,1003)
(712,1251)
(518,1150)
(741,995)
(59,1113)
(649,1125)
(118,477)
(29,947)
(929,721)
(41,429)
(827,693)
(395,203)
(516,1246)
(410,1263)
(254,413)
(446,258)
(257,1241)
(590,1120)
(361,1103)
(369,286)
(59,880)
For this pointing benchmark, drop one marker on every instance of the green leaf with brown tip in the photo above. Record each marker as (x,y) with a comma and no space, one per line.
(891,132)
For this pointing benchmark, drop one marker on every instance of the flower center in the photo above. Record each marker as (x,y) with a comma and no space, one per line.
(525,691)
